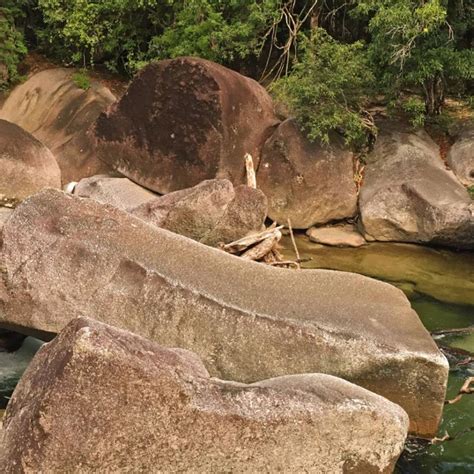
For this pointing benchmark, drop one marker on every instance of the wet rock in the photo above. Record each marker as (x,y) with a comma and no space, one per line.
(183,121)
(101,399)
(211,212)
(409,196)
(306,182)
(118,192)
(26,165)
(345,235)
(57,112)
(66,257)
(461,156)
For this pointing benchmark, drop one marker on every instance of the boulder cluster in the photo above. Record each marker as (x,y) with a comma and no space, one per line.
(167,351)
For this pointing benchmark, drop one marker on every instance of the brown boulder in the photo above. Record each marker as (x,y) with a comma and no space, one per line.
(98,399)
(409,196)
(118,192)
(26,165)
(306,182)
(65,257)
(183,121)
(211,212)
(57,112)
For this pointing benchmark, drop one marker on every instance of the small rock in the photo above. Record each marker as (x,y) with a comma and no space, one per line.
(118,192)
(338,236)
(98,399)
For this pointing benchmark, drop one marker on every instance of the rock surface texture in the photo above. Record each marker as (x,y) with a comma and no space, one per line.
(26,165)
(338,236)
(57,112)
(211,212)
(183,121)
(118,192)
(98,399)
(65,257)
(461,156)
(306,182)
(409,196)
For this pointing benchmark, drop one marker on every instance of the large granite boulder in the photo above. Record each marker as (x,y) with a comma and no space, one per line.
(211,212)
(65,257)
(118,192)
(98,399)
(183,121)
(26,165)
(57,112)
(409,196)
(461,155)
(309,183)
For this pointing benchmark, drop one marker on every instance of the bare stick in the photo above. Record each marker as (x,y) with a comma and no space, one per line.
(293,241)
(465,390)
(251,178)
(245,242)
(263,248)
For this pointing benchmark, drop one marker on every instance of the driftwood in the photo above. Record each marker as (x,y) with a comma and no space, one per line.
(249,167)
(245,242)
(263,248)
(466,389)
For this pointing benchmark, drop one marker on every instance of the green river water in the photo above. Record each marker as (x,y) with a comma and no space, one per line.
(440,286)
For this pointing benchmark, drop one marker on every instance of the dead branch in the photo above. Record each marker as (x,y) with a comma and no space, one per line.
(250,169)
(245,242)
(262,248)
(466,389)
(293,241)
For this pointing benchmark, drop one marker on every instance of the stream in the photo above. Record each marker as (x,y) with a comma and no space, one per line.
(440,286)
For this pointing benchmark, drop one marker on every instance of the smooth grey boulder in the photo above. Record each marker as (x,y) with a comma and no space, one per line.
(65,257)
(99,399)
(308,183)
(212,212)
(118,192)
(461,156)
(409,196)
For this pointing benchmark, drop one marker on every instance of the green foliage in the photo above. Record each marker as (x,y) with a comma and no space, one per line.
(470,190)
(219,30)
(12,45)
(327,89)
(420,43)
(81,79)
(415,109)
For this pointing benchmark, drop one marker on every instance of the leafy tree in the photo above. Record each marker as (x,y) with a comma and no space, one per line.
(12,45)
(327,88)
(420,43)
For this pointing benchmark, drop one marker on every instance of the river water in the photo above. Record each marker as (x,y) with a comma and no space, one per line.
(440,286)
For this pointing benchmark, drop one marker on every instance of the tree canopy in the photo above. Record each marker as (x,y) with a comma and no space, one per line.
(326,59)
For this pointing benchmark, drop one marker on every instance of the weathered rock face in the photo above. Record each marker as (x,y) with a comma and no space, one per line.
(57,112)
(409,196)
(107,400)
(339,236)
(26,165)
(211,212)
(461,156)
(183,121)
(66,257)
(306,182)
(118,192)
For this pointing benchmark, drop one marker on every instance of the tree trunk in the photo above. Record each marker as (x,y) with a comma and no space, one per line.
(434,95)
